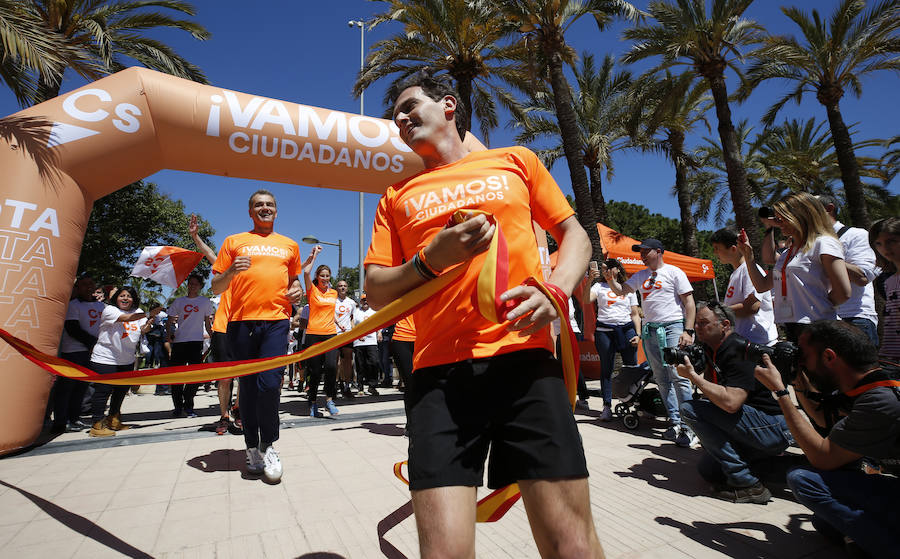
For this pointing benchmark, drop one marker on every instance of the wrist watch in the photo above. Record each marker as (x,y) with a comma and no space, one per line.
(780,393)
(689,331)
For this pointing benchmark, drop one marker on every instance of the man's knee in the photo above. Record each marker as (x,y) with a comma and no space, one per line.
(689,410)
(806,484)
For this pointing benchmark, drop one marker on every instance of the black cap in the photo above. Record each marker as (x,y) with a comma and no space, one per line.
(648,243)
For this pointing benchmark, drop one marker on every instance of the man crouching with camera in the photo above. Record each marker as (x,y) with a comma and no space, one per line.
(739,422)
(849,486)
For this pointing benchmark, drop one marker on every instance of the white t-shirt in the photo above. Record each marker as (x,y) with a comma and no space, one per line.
(190,312)
(87,313)
(360,315)
(861,304)
(661,292)
(116,341)
(803,295)
(759,328)
(611,308)
(343,313)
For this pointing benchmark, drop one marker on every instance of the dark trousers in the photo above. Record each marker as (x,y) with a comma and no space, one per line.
(102,392)
(366,364)
(607,344)
(68,393)
(384,357)
(402,352)
(319,366)
(259,393)
(185,353)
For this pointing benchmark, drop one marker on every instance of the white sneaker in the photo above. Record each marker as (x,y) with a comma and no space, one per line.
(272,466)
(687,439)
(606,414)
(254,461)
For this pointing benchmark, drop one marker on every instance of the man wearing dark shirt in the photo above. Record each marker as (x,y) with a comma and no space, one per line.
(740,421)
(849,502)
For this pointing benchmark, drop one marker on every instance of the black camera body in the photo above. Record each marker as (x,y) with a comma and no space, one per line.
(694,352)
(784,355)
(766,212)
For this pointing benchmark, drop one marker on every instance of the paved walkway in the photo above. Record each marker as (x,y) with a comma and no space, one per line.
(172,488)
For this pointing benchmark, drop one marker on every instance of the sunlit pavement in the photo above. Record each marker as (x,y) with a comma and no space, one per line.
(173,488)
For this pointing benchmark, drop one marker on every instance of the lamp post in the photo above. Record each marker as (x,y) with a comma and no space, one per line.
(314,241)
(362,63)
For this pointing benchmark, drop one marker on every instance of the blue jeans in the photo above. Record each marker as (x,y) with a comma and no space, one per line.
(673,389)
(868,327)
(733,439)
(605,342)
(858,505)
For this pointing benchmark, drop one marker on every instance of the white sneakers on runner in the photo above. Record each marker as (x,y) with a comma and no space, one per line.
(272,465)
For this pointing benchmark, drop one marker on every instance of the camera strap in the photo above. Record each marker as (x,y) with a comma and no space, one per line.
(880,378)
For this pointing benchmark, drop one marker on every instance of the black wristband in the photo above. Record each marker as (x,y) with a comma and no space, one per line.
(690,331)
(780,393)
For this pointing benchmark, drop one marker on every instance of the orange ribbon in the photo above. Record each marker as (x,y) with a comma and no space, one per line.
(493,281)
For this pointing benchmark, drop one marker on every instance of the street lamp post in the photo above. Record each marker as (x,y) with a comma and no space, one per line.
(362,62)
(314,241)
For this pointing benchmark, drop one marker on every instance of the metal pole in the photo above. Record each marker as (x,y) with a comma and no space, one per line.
(340,256)
(362,63)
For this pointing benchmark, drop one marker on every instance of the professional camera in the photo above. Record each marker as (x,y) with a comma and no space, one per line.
(694,352)
(766,212)
(784,355)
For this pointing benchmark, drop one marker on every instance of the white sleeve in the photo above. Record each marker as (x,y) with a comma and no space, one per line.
(859,253)
(631,299)
(110,314)
(634,282)
(682,284)
(828,245)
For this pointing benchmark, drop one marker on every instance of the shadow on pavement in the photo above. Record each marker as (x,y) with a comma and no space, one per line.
(732,540)
(389,429)
(222,460)
(82,525)
(673,469)
(321,555)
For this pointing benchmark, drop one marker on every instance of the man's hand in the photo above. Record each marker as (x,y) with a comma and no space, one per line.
(686,370)
(769,375)
(685,339)
(459,243)
(240,264)
(193,226)
(534,311)
(635,340)
(294,293)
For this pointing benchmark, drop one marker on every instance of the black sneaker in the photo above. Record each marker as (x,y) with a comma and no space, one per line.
(373,391)
(757,494)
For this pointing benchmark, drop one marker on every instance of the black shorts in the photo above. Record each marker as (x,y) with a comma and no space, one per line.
(516,404)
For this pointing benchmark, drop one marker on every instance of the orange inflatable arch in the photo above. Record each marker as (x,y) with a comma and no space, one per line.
(60,156)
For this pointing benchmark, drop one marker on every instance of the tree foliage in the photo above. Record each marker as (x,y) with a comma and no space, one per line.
(124,222)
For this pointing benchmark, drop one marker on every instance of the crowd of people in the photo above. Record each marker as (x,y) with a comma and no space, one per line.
(482,389)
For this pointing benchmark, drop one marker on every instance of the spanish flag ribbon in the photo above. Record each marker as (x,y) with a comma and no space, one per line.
(492,282)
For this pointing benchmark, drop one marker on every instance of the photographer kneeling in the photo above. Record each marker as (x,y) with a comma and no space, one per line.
(846,500)
(740,422)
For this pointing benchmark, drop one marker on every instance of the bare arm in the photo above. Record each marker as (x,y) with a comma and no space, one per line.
(636,320)
(747,307)
(690,312)
(728,398)
(836,271)
(616,287)
(760,282)
(194,230)
(170,327)
(767,252)
(307,266)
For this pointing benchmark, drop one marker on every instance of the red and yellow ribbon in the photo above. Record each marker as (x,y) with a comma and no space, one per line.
(493,281)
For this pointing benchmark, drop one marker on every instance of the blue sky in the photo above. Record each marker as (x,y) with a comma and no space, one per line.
(304,52)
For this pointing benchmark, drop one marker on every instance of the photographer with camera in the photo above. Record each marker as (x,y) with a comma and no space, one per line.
(739,422)
(847,500)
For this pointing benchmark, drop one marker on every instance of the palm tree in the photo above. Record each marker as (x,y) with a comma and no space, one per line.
(671,107)
(835,55)
(460,37)
(602,99)
(108,31)
(710,43)
(543,24)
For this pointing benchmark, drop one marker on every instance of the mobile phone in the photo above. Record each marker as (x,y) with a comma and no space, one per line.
(593,266)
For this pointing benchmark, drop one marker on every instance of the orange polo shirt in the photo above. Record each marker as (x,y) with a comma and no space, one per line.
(321,311)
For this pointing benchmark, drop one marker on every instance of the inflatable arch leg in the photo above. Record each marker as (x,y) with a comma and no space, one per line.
(60,156)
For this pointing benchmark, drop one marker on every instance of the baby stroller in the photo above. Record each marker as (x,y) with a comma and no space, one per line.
(630,387)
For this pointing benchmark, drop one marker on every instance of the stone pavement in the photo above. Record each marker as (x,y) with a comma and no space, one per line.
(172,488)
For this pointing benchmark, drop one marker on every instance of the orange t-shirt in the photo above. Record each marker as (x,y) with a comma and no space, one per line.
(321,311)
(405,330)
(258,293)
(510,183)
(220,320)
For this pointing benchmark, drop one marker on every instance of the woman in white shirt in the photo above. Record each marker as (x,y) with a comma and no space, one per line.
(121,326)
(809,280)
(618,322)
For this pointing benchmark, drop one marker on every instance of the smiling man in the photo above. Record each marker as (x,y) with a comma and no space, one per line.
(261,269)
(481,388)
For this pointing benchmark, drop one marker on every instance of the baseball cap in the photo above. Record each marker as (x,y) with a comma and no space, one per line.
(648,243)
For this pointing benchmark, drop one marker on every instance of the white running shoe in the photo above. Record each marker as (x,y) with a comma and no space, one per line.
(254,461)
(272,465)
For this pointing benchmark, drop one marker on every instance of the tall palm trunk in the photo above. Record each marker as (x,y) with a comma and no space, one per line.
(685,201)
(734,167)
(843,148)
(568,128)
(464,86)
(596,177)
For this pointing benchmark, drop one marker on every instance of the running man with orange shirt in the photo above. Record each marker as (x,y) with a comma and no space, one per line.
(260,268)
(480,387)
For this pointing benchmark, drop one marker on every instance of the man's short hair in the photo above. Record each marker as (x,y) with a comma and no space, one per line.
(726,237)
(261,192)
(849,342)
(722,312)
(826,199)
(436,87)
(198,277)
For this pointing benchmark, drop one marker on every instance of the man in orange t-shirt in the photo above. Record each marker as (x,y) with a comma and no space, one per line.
(260,269)
(480,387)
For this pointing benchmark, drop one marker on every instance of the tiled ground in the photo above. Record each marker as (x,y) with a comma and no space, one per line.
(173,489)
